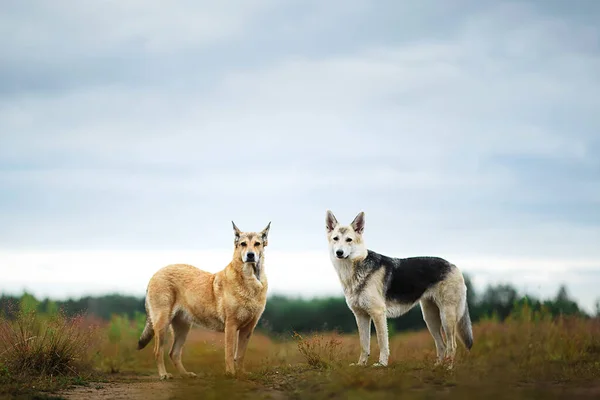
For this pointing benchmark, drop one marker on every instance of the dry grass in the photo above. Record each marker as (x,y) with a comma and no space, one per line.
(119,344)
(53,346)
(318,350)
(527,356)
(40,352)
(530,355)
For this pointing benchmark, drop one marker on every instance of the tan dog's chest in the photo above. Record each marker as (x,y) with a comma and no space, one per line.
(241,303)
(247,307)
(248,312)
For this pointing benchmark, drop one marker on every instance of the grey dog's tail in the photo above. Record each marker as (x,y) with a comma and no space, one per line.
(465,331)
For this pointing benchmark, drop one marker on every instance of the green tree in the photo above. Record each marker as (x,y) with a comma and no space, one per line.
(28,303)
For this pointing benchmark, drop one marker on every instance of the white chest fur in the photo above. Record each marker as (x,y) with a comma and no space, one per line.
(345,271)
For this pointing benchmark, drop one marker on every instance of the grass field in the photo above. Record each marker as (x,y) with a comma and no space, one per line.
(528,356)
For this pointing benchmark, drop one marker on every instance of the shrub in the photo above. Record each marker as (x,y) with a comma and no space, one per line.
(122,335)
(319,351)
(34,344)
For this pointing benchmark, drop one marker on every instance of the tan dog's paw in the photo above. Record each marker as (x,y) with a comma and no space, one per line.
(166,376)
(190,375)
(230,373)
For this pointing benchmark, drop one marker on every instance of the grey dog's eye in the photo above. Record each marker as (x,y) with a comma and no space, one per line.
(348,240)
(336,238)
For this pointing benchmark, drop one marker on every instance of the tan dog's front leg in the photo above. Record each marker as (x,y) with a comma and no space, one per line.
(230,345)
(237,341)
(245,334)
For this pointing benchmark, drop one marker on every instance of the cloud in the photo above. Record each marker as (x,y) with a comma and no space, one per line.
(111,40)
(469,129)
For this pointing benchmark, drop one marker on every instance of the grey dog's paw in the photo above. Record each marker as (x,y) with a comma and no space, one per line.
(378,364)
(358,364)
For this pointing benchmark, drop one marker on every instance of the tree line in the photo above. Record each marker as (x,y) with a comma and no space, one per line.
(284,315)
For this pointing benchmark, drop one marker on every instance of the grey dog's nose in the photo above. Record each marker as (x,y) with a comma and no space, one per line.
(250,256)
(339,253)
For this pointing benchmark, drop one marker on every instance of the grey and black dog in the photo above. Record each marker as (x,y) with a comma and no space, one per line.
(378,287)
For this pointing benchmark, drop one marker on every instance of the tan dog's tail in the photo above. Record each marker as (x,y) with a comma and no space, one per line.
(147,334)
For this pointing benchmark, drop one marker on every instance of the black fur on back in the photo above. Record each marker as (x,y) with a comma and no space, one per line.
(406,279)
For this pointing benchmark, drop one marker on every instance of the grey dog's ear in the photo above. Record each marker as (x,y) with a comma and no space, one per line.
(359,223)
(265,233)
(330,221)
(236,232)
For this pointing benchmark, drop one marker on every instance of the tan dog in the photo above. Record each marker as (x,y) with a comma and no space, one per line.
(231,301)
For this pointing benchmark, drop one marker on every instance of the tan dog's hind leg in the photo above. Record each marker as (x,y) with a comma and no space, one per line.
(160,324)
(244,337)
(181,329)
(231,333)
(380,322)
(431,315)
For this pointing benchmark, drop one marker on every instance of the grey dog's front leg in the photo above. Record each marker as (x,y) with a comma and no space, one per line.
(380,322)
(363,321)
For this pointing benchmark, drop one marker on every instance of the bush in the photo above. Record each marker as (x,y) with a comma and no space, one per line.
(32,344)
(121,345)
(319,351)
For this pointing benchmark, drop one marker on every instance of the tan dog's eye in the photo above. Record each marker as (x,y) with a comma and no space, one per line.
(257,244)
(336,238)
(348,240)
(243,244)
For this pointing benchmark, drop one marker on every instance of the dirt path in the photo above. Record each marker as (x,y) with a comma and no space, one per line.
(151,389)
(280,387)
(141,388)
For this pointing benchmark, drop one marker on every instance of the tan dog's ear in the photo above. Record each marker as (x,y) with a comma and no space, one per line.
(237,233)
(265,233)
(330,221)
(359,223)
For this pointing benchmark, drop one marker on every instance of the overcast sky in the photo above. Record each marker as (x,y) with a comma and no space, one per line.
(132,133)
